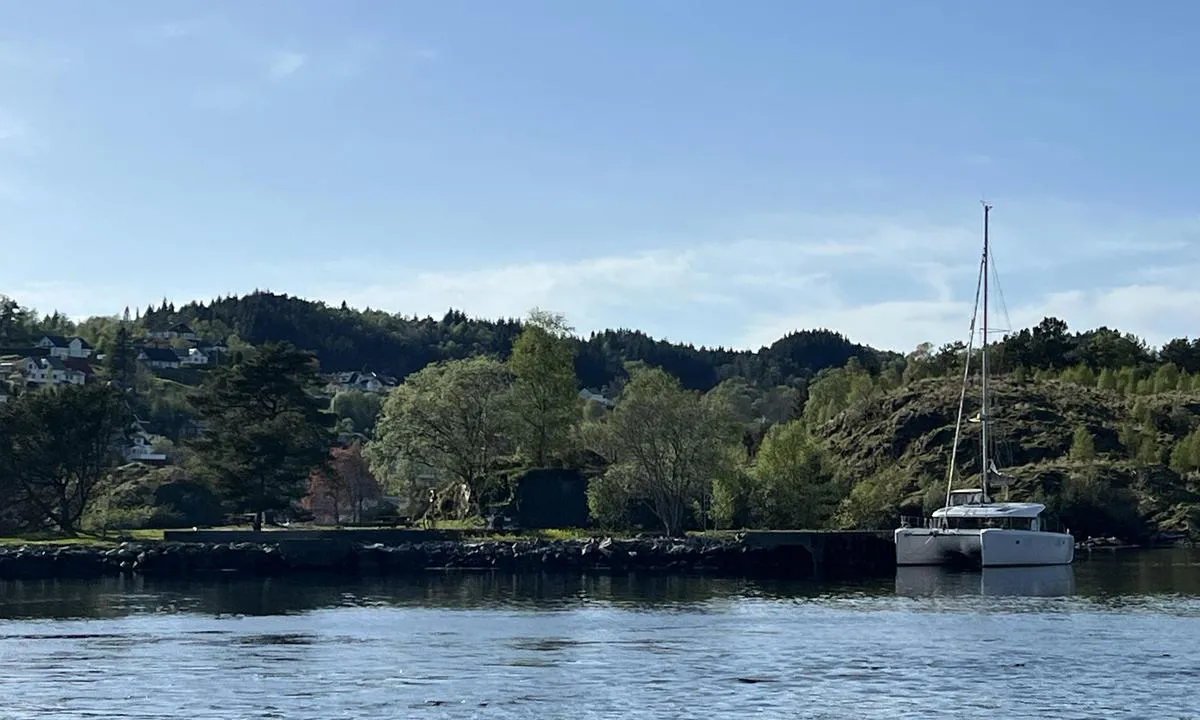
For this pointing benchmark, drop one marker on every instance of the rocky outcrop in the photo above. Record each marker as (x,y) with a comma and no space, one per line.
(726,556)
(893,451)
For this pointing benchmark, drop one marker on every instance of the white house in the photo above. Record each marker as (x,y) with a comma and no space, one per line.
(62,347)
(590,395)
(142,450)
(364,381)
(158,357)
(192,356)
(53,371)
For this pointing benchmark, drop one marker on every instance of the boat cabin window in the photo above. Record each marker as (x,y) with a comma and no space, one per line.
(966,497)
(1006,523)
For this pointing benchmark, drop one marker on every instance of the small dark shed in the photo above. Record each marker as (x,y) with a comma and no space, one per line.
(551,498)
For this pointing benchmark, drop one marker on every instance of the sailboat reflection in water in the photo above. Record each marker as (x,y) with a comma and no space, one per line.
(1037,581)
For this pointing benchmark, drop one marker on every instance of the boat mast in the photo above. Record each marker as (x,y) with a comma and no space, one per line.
(983,413)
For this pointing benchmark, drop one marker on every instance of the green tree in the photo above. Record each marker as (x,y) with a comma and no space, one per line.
(1182,354)
(918,364)
(1083,445)
(360,408)
(794,484)
(1080,375)
(9,314)
(449,417)
(837,390)
(18,325)
(733,493)
(1185,456)
(1149,449)
(545,392)
(120,362)
(742,399)
(664,445)
(1165,378)
(58,445)
(265,428)
(780,404)
(1126,380)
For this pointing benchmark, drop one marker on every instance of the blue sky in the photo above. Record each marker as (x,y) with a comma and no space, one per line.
(712,172)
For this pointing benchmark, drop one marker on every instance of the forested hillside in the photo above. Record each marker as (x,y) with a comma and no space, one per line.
(813,431)
(398,345)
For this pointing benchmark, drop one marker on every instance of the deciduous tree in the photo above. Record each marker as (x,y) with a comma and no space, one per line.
(57,446)
(449,417)
(794,484)
(345,485)
(665,445)
(361,408)
(544,400)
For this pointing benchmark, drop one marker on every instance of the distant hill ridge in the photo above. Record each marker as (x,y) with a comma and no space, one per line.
(347,339)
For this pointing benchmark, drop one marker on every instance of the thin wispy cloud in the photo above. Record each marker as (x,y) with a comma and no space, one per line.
(886,282)
(748,293)
(727,213)
(237,93)
(175,30)
(285,64)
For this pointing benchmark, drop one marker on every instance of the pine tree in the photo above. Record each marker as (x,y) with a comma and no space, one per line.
(266,428)
(121,360)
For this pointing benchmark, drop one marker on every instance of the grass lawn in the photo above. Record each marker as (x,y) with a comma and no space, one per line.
(81,539)
(472,531)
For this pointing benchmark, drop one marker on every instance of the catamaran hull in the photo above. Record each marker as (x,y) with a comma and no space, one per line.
(991,547)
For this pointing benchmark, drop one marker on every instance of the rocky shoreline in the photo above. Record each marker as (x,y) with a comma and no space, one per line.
(730,556)
(716,556)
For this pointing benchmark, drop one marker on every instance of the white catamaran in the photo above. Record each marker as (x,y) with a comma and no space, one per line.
(971,528)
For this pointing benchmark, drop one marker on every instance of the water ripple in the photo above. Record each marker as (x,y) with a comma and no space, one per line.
(502,647)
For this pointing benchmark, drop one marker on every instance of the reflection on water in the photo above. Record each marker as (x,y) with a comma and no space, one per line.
(117,597)
(1097,577)
(1052,581)
(1113,635)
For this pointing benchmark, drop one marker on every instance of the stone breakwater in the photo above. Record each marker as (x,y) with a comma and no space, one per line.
(717,556)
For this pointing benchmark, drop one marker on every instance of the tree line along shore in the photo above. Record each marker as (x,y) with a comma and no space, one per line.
(812,432)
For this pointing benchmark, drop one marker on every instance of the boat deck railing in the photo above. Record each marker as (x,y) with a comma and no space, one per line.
(918,522)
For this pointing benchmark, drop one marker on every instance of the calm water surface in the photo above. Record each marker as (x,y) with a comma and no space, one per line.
(1112,636)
